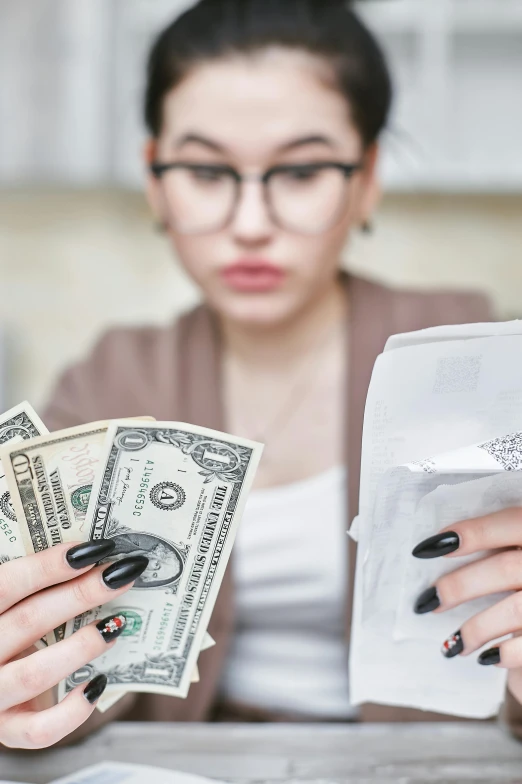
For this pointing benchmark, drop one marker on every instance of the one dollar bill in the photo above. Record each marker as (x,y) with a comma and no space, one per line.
(106,701)
(16,425)
(175,493)
(49,479)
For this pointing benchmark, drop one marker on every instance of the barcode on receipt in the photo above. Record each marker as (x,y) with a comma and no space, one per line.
(457,374)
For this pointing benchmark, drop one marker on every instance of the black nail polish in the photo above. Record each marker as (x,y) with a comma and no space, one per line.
(491,656)
(112,627)
(95,688)
(435,546)
(122,572)
(452,646)
(88,553)
(427,601)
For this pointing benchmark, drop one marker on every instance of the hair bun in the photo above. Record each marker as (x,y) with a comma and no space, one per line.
(328,29)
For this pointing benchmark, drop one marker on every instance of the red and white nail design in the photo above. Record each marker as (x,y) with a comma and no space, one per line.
(111,627)
(452,646)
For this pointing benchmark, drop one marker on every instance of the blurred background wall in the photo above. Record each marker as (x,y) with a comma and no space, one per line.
(78,250)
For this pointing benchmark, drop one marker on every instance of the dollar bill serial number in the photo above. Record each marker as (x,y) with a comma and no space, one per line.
(8,531)
(141,498)
(163,628)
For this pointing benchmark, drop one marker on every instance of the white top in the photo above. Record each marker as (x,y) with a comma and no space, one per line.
(290,562)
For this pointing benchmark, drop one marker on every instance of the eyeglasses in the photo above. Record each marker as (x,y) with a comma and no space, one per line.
(307,198)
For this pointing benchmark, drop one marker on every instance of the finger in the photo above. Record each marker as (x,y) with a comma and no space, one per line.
(35,616)
(494,574)
(490,532)
(41,729)
(32,573)
(503,618)
(23,679)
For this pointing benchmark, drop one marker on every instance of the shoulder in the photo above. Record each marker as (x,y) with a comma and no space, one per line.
(116,348)
(130,371)
(410,309)
(442,307)
(122,351)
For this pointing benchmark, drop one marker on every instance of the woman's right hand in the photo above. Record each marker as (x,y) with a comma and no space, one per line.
(37,594)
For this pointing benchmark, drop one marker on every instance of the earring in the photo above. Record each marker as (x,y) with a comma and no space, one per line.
(367,227)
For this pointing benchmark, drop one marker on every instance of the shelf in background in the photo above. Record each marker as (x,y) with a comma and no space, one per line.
(74,106)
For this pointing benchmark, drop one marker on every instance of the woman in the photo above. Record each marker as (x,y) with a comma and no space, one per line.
(264,120)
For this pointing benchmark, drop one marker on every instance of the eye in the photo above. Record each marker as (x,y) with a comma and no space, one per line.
(209,173)
(302,173)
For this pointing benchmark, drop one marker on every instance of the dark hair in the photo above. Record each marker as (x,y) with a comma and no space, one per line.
(328,28)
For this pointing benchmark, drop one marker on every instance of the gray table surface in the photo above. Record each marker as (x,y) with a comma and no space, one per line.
(284,753)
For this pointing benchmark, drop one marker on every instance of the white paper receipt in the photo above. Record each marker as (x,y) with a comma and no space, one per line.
(433,393)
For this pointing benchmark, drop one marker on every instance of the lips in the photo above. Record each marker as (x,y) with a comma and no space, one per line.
(253,276)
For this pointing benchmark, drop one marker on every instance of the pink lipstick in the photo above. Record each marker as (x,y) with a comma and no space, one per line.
(253,276)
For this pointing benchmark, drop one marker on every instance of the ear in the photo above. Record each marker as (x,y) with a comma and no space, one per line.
(370,192)
(152,188)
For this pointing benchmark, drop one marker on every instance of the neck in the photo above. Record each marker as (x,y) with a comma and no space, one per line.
(279,344)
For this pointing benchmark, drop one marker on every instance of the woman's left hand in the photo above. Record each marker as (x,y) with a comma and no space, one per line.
(499,571)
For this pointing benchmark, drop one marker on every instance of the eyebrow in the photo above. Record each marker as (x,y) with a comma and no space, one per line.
(302,141)
(195,138)
(306,140)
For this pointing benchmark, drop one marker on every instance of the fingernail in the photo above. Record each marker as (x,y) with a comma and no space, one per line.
(95,688)
(452,646)
(427,601)
(111,627)
(88,553)
(491,656)
(125,571)
(435,546)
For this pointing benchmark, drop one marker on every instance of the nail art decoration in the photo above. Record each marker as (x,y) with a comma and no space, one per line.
(452,646)
(112,627)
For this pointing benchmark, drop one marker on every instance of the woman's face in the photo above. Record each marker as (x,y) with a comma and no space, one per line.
(253,113)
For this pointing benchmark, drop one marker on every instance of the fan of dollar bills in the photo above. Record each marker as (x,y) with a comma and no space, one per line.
(167,490)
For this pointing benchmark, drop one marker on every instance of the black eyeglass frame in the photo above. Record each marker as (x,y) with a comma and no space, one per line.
(158,169)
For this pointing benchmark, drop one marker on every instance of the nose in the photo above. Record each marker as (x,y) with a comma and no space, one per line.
(252,223)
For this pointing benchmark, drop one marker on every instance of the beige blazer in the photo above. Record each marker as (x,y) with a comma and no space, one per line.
(173,373)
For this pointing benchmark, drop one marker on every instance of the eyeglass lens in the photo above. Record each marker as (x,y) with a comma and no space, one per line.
(307,200)
(199,199)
